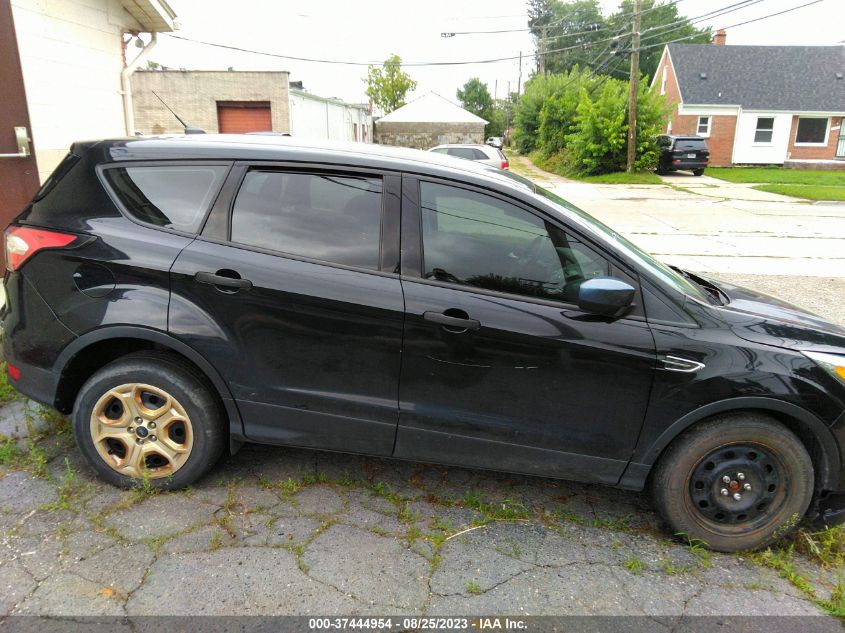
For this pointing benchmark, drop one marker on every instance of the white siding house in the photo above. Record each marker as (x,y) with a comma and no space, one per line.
(321,118)
(72,57)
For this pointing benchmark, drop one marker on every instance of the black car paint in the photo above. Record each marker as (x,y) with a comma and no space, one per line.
(329,356)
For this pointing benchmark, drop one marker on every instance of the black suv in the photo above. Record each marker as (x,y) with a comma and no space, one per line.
(682,152)
(180,296)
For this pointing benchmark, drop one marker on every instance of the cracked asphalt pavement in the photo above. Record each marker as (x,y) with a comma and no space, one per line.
(282,531)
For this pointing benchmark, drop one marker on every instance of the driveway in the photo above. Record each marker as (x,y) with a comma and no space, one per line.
(780,245)
(283,531)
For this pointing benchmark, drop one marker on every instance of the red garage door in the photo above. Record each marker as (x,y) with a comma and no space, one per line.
(237,117)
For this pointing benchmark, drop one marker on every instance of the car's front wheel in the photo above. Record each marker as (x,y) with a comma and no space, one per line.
(737,482)
(147,416)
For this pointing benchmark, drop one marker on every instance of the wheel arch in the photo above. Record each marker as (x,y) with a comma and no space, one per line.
(813,433)
(74,366)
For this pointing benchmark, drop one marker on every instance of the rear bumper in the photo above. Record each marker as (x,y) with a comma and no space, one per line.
(35,383)
(688,164)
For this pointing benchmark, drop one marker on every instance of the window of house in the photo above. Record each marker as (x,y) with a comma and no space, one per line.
(811,131)
(663,81)
(765,129)
(328,217)
(481,241)
(172,197)
(703,128)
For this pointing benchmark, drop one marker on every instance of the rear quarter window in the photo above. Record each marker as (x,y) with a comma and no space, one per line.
(168,196)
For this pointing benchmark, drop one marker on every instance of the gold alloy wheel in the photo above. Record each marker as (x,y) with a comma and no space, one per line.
(141,431)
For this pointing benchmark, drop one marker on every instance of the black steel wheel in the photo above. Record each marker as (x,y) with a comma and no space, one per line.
(736,482)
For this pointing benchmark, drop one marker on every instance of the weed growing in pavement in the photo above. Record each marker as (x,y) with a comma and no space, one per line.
(72,491)
(635,565)
(826,547)
(473,587)
(216,541)
(7,392)
(613,523)
(31,458)
(505,510)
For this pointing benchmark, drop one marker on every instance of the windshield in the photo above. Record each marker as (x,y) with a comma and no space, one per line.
(656,269)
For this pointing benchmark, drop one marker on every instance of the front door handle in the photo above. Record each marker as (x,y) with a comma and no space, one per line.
(223,281)
(452,323)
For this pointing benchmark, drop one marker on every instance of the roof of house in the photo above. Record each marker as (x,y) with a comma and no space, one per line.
(788,78)
(431,108)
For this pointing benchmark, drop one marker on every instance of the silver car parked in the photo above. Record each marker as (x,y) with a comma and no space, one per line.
(480,153)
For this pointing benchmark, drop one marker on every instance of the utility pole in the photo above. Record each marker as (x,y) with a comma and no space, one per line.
(634,82)
(543,51)
(519,82)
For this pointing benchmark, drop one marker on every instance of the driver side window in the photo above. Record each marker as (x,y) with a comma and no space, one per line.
(478,240)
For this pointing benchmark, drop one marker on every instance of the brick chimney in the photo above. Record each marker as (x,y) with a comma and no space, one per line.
(720,37)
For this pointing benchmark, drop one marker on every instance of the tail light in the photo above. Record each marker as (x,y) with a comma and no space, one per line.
(505,164)
(23,242)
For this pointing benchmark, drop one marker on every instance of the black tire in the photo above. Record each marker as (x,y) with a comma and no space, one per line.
(192,393)
(697,172)
(688,486)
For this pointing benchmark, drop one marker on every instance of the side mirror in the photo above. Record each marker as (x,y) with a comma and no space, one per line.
(605,295)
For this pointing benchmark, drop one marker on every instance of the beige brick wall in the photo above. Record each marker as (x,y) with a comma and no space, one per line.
(194,96)
(427,135)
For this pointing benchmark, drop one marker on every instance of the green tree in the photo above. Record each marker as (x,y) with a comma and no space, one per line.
(387,86)
(575,25)
(475,97)
(598,143)
(660,23)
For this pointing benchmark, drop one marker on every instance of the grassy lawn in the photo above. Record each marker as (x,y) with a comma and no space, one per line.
(809,184)
(624,178)
(809,192)
(779,176)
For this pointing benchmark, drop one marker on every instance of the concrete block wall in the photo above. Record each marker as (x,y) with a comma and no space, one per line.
(194,95)
(427,135)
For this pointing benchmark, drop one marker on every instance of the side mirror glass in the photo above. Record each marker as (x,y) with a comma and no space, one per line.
(607,296)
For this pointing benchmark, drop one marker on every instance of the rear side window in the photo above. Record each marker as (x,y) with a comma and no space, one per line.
(332,218)
(172,196)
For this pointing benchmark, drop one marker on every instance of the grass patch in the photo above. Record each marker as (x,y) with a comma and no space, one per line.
(808,192)
(635,565)
(505,510)
(825,548)
(473,587)
(779,176)
(7,392)
(555,165)
(33,459)
(623,178)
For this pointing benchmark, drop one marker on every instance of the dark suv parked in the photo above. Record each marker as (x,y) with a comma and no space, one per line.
(183,295)
(682,152)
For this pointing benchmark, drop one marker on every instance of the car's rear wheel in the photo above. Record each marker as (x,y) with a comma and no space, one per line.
(737,482)
(697,172)
(147,416)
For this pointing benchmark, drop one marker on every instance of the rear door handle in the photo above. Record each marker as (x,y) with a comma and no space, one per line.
(454,323)
(213,279)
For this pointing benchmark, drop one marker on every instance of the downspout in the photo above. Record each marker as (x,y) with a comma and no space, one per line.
(126,85)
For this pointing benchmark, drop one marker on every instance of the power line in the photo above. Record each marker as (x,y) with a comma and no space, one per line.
(559,22)
(466,62)
(668,28)
(733,26)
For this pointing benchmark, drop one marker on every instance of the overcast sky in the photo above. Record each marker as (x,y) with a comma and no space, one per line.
(372,30)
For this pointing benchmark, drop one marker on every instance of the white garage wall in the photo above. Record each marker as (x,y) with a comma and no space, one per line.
(747,151)
(71,59)
(317,118)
